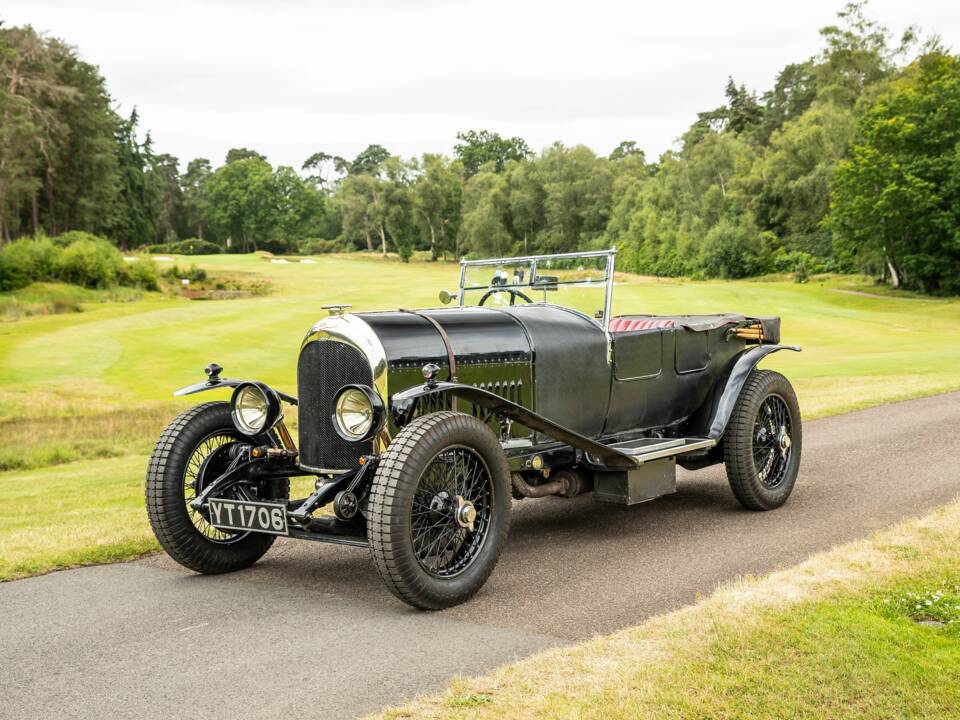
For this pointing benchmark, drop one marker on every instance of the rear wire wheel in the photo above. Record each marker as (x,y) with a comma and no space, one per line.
(762,444)
(438,510)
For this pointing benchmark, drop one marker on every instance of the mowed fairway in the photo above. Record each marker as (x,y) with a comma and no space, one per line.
(83,396)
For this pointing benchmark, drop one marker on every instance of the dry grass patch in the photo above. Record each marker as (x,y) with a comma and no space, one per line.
(34,442)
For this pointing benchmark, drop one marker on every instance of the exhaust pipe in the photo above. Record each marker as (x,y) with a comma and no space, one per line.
(566,483)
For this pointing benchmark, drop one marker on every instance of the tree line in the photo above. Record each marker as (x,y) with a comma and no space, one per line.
(851,161)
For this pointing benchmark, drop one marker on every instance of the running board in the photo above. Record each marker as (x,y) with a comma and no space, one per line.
(646,449)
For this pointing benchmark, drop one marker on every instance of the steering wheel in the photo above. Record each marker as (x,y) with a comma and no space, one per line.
(514,294)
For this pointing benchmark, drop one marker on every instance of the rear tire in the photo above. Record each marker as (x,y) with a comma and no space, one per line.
(423,548)
(762,444)
(185,536)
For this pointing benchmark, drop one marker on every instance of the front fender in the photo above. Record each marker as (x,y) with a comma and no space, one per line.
(217,382)
(723,405)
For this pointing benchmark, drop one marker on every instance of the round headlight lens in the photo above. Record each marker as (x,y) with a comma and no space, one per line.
(250,409)
(353,413)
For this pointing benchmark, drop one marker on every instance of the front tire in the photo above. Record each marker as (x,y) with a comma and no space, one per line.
(762,444)
(438,510)
(181,454)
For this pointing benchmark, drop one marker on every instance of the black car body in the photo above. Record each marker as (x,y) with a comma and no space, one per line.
(448,412)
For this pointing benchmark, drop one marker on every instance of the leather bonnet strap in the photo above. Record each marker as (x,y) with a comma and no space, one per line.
(451,358)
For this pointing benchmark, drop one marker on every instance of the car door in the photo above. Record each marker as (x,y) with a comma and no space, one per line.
(637,359)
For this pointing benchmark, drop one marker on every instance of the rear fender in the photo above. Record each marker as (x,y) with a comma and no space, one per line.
(717,411)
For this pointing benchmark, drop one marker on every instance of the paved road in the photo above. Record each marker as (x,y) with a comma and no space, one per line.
(311,632)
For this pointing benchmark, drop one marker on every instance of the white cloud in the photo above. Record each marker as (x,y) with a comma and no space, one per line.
(291,77)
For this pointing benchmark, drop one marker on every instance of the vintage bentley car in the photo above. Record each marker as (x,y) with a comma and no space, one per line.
(422,426)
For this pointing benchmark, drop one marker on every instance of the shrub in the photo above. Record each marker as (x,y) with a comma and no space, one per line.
(75,257)
(195,246)
(802,264)
(733,250)
(93,263)
(71,236)
(143,273)
(25,261)
(319,246)
(193,273)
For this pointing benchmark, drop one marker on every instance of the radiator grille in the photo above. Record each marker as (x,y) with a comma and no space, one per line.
(325,366)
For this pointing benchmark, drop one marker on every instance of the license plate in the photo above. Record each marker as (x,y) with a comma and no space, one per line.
(246,515)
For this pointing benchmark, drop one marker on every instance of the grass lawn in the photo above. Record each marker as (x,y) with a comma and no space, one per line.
(868,631)
(84,394)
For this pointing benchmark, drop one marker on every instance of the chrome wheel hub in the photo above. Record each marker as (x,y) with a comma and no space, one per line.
(783,440)
(466,513)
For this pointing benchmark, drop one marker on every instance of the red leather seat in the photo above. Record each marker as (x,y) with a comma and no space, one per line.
(626,324)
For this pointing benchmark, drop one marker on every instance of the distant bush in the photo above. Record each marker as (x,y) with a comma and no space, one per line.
(190,246)
(78,258)
(319,246)
(143,273)
(802,264)
(193,273)
(733,250)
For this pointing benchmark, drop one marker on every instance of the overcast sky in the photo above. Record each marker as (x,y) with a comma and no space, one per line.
(291,77)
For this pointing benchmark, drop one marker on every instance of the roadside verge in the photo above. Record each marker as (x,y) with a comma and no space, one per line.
(867,630)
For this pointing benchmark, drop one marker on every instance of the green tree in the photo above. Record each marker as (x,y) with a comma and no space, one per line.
(164,174)
(323,167)
(794,194)
(360,215)
(628,148)
(195,204)
(483,229)
(577,187)
(895,199)
(29,123)
(298,207)
(477,148)
(82,185)
(133,220)
(858,54)
(368,161)
(526,201)
(242,202)
(234,154)
(398,206)
(436,197)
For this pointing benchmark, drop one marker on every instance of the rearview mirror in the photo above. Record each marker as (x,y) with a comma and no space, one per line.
(446,297)
(545,282)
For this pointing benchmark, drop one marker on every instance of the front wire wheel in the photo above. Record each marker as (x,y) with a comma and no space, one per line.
(192,451)
(438,510)
(451,511)
(761,447)
(210,459)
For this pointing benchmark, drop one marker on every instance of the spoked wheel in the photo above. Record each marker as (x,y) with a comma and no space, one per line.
(772,441)
(763,442)
(208,461)
(451,511)
(192,451)
(438,510)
